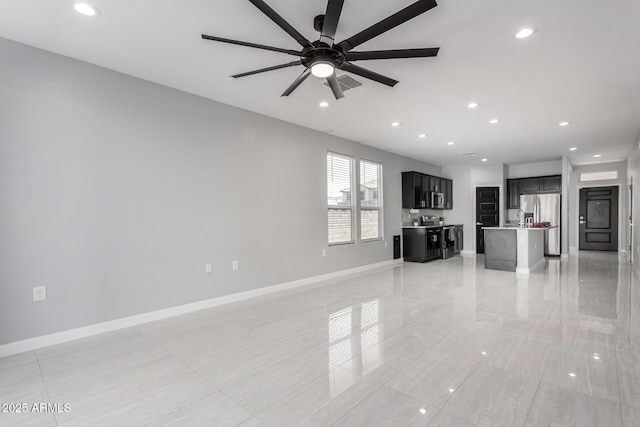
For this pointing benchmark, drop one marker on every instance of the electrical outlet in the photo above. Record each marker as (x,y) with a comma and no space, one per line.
(208,268)
(39,293)
(385,244)
(324,252)
(234,265)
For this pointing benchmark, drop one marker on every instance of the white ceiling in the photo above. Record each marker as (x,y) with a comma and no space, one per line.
(582,65)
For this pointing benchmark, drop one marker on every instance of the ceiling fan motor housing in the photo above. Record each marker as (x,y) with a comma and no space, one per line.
(322,54)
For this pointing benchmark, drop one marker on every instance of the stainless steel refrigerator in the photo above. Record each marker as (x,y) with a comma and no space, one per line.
(545,208)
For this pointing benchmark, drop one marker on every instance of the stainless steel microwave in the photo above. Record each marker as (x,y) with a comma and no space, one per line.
(437,200)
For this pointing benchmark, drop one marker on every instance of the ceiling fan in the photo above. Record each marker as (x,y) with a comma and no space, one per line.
(321,58)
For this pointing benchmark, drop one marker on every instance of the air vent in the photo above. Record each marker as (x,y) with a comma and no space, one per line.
(346,82)
(468,154)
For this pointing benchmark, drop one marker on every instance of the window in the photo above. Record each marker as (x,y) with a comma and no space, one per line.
(340,203)
(370,200)
(597,176)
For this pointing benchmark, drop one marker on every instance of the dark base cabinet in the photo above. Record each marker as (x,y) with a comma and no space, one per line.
(421,244)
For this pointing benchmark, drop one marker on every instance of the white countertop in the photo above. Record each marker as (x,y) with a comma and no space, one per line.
(430,226)
(517,227)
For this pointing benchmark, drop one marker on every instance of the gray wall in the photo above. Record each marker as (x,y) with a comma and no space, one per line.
(526,170)
(115,193)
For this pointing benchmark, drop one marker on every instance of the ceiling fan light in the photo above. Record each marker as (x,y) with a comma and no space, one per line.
(322,69)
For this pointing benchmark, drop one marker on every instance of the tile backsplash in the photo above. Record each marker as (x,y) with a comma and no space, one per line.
(408,217)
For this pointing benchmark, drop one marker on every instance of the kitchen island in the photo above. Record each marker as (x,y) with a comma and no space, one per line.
(519,249)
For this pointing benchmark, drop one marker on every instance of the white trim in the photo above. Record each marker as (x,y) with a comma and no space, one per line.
(564,256)
(126,322)
(622,251)
(523,270)
(573,250)
(467,252)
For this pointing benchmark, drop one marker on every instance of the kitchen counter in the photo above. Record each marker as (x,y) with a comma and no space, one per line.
(517,227)
(430,226)
(519,249)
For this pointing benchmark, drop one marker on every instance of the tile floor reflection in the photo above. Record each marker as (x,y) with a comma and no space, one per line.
(435,344)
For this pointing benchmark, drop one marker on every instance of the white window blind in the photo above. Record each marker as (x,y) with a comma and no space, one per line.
(340,198)
(370,200)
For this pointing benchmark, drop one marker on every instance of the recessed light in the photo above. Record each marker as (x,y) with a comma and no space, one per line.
(525,32)
(86,9)
(484,353)
(395,124)
(564,123)
(451,390)
(472,105)
(494,121)
(573,148)
(484,160)
(423,411)
(422,135)
(450,143)
(571,374)
(597,155)
(596,356)
(324,104)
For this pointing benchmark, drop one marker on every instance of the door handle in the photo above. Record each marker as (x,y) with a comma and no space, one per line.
(583,222)
(479,223)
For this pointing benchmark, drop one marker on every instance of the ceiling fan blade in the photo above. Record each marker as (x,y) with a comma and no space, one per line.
(335,86)
(388,23)
(258,46)
(392,54)
(262,70)
(273,15)
(302,77)
(347,66)
(330,24)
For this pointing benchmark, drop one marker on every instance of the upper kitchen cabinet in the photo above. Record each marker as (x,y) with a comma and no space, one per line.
(551,183)
(414,190)
(533,185)
(435,185)
(447,189)
(417,189)
(530,185)
(513,194)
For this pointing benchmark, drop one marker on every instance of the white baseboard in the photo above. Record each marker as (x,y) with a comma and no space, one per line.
(467,252)
(126,322)
(535,266)
(573,250)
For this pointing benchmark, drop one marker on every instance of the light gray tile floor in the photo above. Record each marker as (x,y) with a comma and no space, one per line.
(446,343)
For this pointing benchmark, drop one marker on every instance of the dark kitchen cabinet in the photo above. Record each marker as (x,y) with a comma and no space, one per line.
(426,182)
(417,188)
(513,193)
(414,193)
(435,184)
(551,183)
(421,244)
(530,185)
(533,185)
(447,189)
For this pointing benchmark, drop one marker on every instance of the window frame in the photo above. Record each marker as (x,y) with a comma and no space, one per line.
(380,208)
(353,200)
